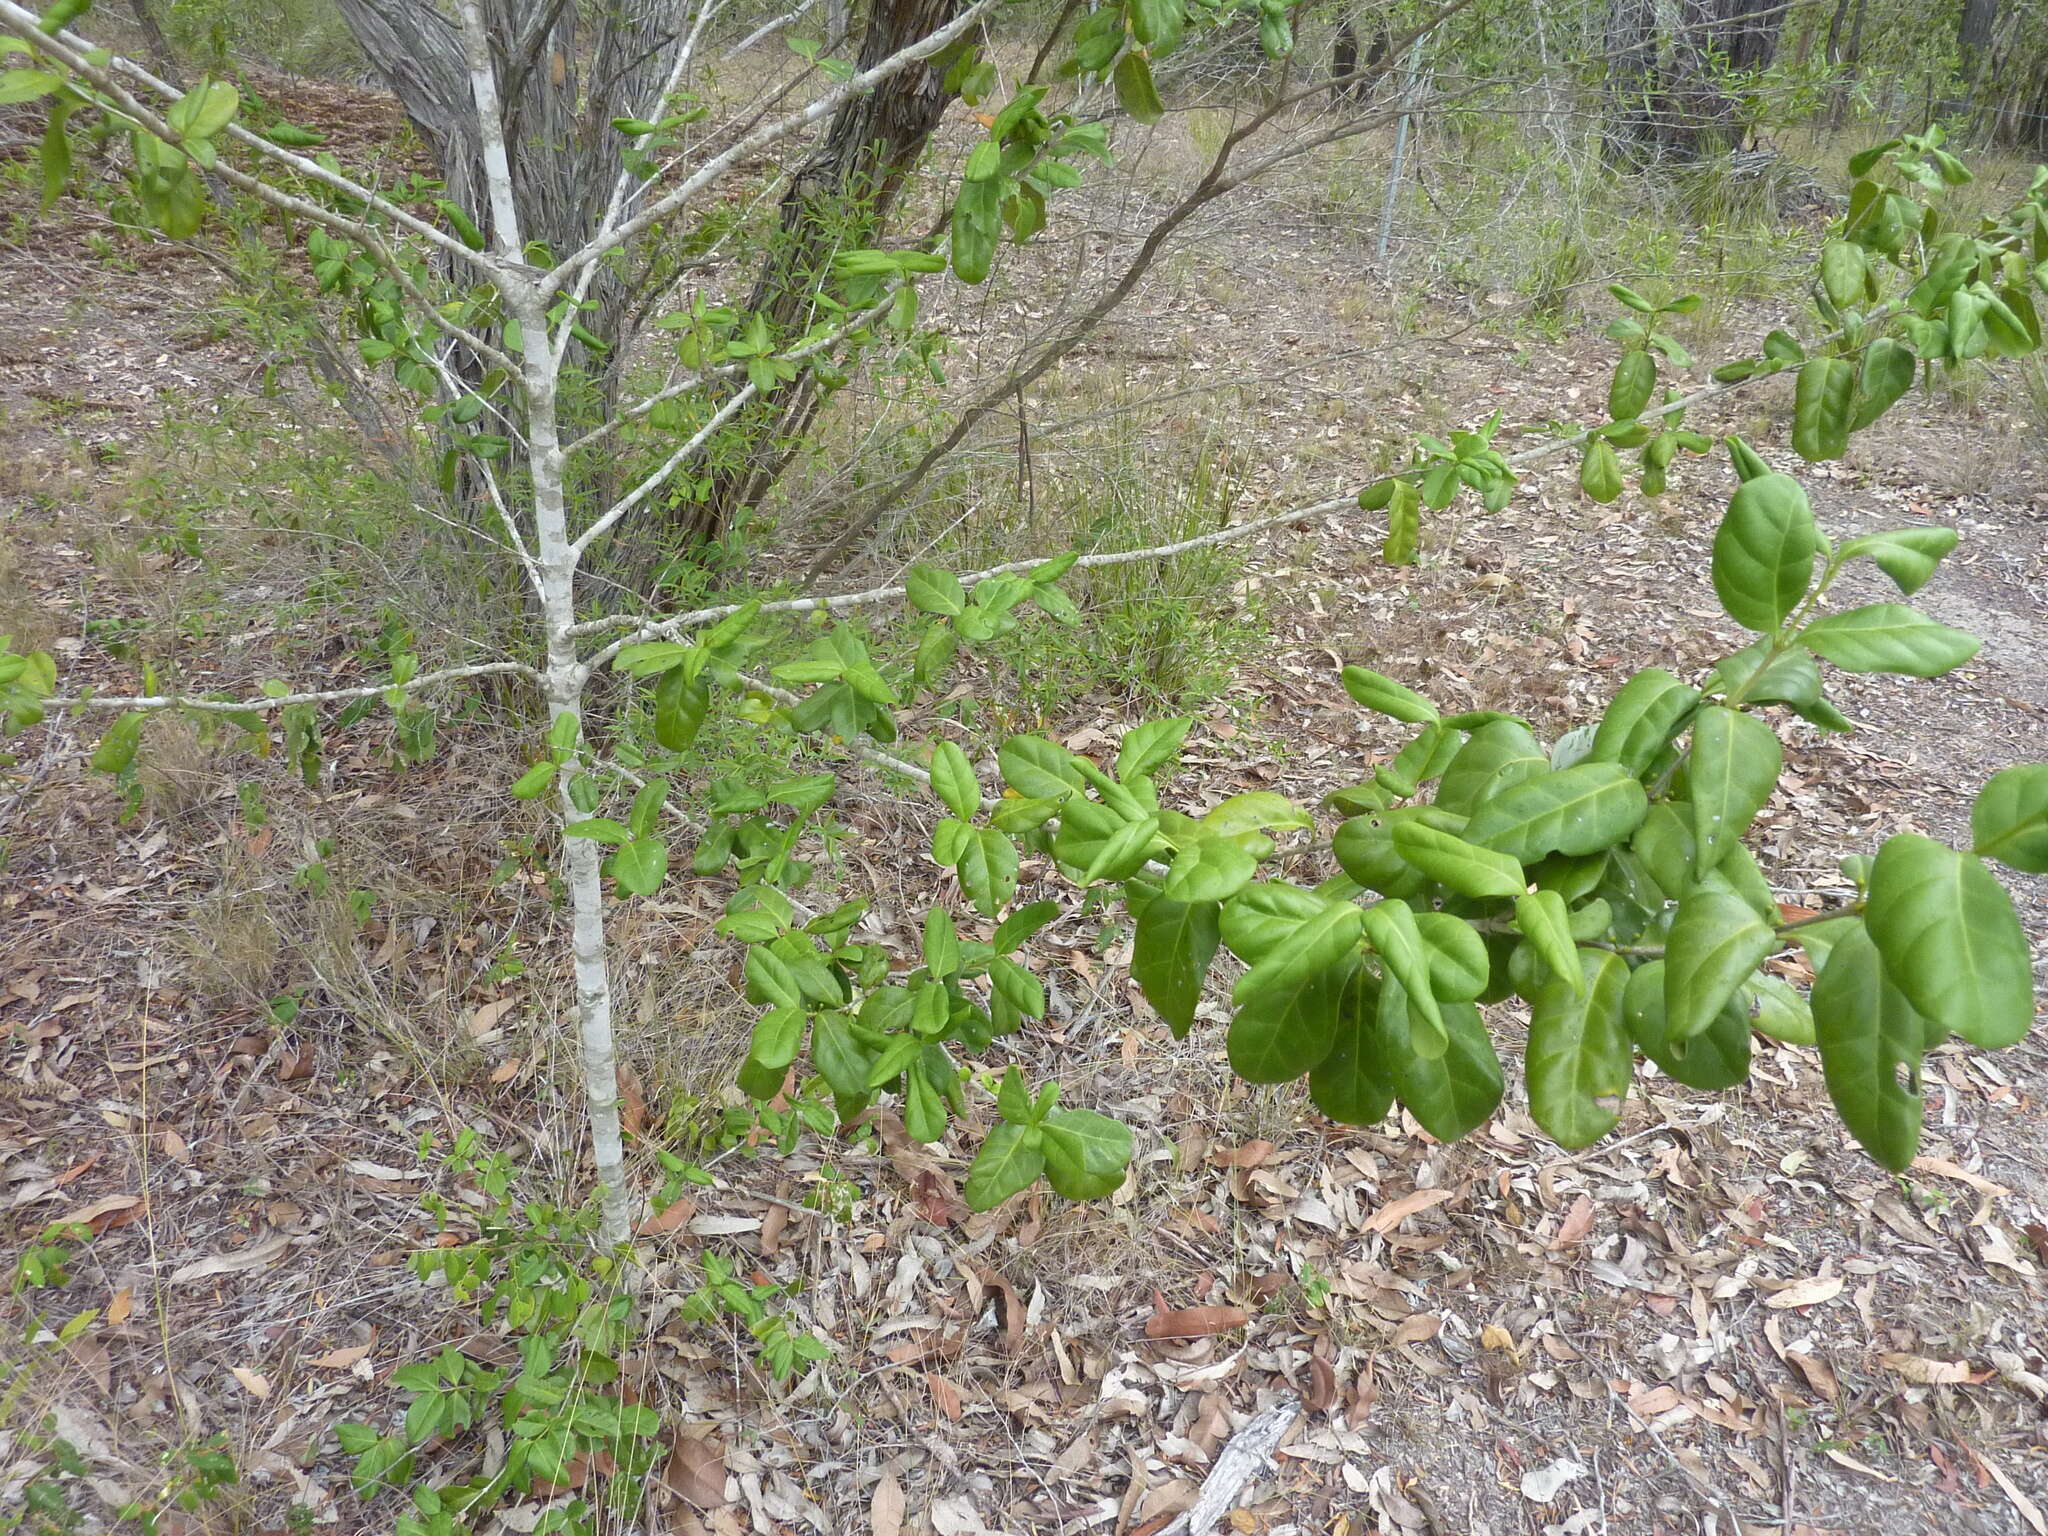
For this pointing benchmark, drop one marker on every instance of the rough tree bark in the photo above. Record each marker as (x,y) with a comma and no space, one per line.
(1665,89)
(839,198)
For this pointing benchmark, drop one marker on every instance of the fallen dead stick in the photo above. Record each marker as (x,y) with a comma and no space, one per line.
(1241,1461)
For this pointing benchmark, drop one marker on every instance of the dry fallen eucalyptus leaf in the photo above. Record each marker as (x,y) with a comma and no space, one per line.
(1195,1322)
(1810,1292)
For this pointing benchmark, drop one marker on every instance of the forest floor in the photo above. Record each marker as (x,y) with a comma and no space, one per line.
(1723,1317)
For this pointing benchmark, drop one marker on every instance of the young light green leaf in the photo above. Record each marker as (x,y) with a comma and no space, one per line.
(1404,524)
(1387,697)
(1950,940)
(1546,924)
(1868,1034)
(2009,821)
(1170,956)
(1650,709)
(1716,944)
(1466,868)
(1086,1154)
(1823,406)
(1213,869)
(953,781)
(1009,1163)
(1600,470)
(1889,637)
(935,591)
(1576,810)
(1735,762)
(1763,552)
(1579,1058)
(1774,1007)
(1907,555)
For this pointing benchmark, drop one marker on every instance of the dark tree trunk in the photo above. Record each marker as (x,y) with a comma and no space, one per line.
(1632,85)
(154,43)
(1665,92)
(839,198)
(1847,58)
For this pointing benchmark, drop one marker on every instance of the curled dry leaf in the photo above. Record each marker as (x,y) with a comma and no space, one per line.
(1250,1155)
(257,1385)
(1394,1212)
(1925,1372)
(341,1359)
(1195,1322)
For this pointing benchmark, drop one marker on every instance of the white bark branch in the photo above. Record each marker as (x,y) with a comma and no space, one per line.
(264,703)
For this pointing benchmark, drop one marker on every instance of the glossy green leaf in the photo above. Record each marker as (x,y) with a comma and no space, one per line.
(1907,555)
(1466,868)
(1716,944)
(1889,637)
(1391,929)
(1031,765)
(2009,821)
(1579,1058)
(1600,471)
(1125,852)
(1774,1007)
(1650,709)
(1352,1084)
(1710,1060)
(1634,381)
(953,781)
(1763,552)
(1170,957)
(1453,1092)
(1316,945)
(988,867)
(681,702)
(1497,756)
(1950,940)
(1149,747)
(1547,926)
(1734,767)
(1263,917)
(1869,1035)
(1823,406)
(1404,525)
(932,590)
(1577,810)
(1135,92)
(1282,1030)
(1886,375)
(1256,811)
(1459,967)
(640,865)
